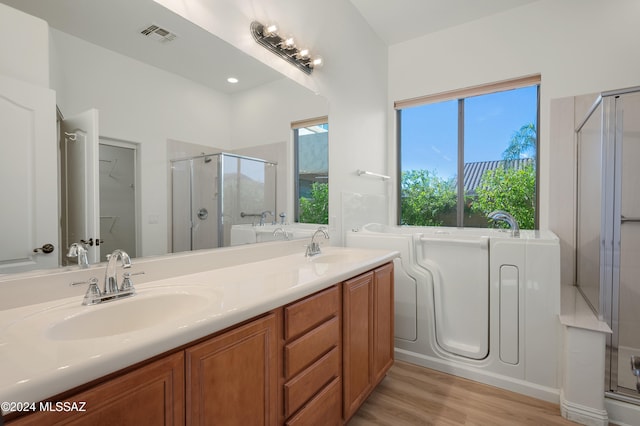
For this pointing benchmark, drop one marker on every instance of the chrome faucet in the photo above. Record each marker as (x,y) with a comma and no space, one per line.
(80,251)
(500,215)
(263,216)
(280,230)
(314,248)
(111,292)
(111,273)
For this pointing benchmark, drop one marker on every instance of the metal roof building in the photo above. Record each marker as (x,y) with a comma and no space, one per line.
(473,171)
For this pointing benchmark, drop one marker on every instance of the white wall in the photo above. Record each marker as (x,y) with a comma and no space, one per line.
(263,116)
(24,47)
(141,104)
(578,46)
(353,78)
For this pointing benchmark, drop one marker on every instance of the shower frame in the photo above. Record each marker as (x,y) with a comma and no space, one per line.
(607,307)
(219,184)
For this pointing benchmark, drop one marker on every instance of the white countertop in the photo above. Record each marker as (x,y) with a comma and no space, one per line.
(34,366)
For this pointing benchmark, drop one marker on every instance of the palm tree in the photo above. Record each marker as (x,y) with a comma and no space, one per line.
(522,143)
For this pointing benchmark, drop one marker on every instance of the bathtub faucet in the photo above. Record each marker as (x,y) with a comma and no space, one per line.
(500,215)
(314,247)
(263,216)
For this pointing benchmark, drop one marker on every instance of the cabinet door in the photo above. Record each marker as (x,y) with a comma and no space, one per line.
(150,395)
(232,378)
(383,342)
(357,341)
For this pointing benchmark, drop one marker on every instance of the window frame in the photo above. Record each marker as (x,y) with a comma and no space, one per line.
(296,125)
(460,95)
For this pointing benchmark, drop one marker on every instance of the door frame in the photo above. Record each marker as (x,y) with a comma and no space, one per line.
(135,146)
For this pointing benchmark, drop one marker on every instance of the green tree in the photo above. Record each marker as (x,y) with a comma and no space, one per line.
(426,198)
(522,143)
(509,189)
(316,208)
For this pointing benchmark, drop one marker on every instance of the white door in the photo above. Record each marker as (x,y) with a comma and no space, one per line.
(80,206)
(28,172)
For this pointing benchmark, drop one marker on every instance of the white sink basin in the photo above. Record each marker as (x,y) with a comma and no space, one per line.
(343,257)
(328,258)
(151,307)
(126,315)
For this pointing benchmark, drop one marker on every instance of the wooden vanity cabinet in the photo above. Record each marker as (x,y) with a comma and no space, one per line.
(232,379)
(150,395)
(383,314)
(312,391)
(367,334)
(312,362)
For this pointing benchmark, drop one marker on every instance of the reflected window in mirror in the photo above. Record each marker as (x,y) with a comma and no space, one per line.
(311,170)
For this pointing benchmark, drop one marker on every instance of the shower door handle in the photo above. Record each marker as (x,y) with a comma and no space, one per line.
(629,219)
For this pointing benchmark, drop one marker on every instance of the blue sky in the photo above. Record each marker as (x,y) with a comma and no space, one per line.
(430,132)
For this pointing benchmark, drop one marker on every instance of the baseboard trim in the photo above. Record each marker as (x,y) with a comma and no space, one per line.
(582,414)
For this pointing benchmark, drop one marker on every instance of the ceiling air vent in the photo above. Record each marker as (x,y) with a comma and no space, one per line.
(158,33)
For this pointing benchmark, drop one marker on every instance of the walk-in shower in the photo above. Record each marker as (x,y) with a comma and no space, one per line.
(608,230)
(210,193)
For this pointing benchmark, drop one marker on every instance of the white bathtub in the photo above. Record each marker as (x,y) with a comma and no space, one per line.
(476,302)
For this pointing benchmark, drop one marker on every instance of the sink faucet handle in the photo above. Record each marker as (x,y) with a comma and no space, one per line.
(127,284)
(93,295)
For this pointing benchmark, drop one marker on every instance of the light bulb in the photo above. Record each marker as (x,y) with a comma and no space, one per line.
(289,43)
(270,30)
(317,62)
(304,53)
(232,80)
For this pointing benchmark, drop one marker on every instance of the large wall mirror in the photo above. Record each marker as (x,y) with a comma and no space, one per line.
(155,99)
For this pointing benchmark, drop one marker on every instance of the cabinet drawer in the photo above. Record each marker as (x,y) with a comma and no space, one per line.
(323,410)
(302,352)
(306,384)
(310,312)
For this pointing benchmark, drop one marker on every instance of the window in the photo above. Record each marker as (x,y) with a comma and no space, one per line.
(485,135)
(311,153)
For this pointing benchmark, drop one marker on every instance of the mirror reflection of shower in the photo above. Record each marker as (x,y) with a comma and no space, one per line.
(209,193)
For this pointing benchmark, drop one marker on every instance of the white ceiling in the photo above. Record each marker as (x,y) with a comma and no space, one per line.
(396,21)
(198,55)
(116,24)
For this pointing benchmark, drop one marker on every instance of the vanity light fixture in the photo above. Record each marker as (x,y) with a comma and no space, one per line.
(284,46)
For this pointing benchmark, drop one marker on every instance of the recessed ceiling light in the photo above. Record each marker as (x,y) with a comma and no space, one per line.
(232,80)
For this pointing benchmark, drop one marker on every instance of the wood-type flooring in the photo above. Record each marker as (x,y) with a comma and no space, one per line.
(411,395)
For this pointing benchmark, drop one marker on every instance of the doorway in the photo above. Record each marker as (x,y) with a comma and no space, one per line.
(118,196)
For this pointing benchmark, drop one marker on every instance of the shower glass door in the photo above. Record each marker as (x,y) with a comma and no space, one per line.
(248,188)
(204,203)
(626,284)
(589,220)
(181,206)
(608,230)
